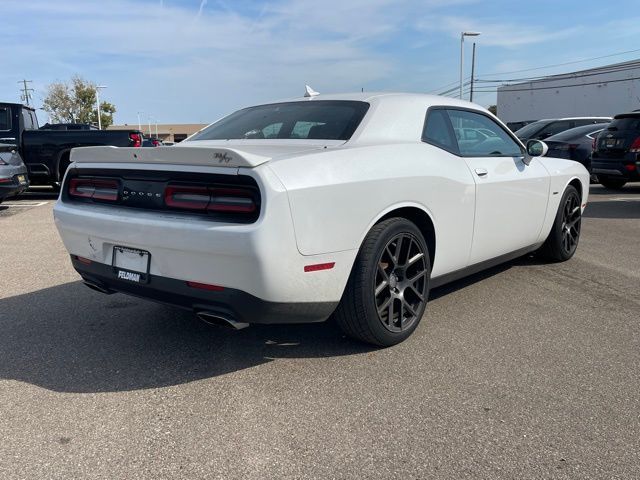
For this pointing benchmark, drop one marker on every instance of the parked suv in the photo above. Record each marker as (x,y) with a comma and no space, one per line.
(616,151)
(545,128)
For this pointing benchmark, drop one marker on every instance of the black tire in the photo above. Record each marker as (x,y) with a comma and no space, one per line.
(562,242)
(394,257)
(612,183)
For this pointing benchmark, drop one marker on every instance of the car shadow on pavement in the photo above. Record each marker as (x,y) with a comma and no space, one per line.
(70,339)
(628,189)
(619,209)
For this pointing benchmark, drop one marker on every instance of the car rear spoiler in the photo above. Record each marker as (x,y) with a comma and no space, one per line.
(198,156)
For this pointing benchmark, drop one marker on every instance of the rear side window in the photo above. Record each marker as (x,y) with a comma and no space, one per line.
(315,119)
(626,123)
(27,120)
(5,118)
(556,127)
(437,131)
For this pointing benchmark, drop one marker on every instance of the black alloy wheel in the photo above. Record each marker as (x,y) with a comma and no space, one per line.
(564,236)
(401,282)
(571,222)
(387,291)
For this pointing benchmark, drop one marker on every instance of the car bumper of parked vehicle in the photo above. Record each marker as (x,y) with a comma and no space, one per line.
(621,169)
(11,185)
(260,259)
(228,303)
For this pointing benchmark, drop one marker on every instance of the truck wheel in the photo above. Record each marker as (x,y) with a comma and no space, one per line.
(388,288)
(562,241)
(612,183)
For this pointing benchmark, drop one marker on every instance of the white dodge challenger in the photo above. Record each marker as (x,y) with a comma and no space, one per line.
(349,205)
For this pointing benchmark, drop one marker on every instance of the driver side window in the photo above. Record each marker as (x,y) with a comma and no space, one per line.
(482,136)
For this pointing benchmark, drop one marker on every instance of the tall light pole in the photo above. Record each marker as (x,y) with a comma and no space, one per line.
(473,71)
(139,124)
(462,35)
(149,121)
(98,87)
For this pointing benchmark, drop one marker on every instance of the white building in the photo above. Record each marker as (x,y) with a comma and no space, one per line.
(601,92)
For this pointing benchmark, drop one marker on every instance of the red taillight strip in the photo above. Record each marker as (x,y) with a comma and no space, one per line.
(86,261)
(213,199)
(94,188)
(205,286)
(319,266)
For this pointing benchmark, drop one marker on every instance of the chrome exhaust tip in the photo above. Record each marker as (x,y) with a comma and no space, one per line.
(220,320)
(97,288)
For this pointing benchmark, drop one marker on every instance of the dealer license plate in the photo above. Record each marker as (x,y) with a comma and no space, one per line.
(131,264)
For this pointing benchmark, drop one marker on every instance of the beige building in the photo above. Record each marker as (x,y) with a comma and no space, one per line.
(167,132)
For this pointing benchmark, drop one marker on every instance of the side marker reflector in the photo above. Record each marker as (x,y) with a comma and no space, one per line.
(205,286)
(319,266)
(86,261)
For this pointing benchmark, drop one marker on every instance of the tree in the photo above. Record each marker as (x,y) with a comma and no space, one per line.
(493,109)
(75,102)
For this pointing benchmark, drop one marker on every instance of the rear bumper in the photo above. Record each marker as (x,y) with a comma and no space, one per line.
(260,259)
(228,303)
(624,169)
(12,188)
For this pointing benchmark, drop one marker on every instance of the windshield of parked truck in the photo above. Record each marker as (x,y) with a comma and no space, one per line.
(313,119)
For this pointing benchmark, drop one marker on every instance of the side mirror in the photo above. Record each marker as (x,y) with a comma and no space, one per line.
(537,148)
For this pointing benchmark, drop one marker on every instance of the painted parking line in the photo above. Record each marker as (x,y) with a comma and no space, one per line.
(24,204)
(625,199)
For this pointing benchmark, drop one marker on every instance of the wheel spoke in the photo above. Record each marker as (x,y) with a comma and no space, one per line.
(390,312)
(409,308)
(417,277)
(414,259)
(384,306)
(380,288)
(384,274)
(415,290)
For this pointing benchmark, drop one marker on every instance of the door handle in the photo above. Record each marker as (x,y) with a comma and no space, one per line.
(482,172)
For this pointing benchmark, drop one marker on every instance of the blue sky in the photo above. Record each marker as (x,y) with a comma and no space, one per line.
(196,60)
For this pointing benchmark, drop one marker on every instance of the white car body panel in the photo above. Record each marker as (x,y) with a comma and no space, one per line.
(319,200)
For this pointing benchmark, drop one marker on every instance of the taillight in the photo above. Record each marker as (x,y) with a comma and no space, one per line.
(94,188)
(635,146)
(155,142)
(212,199)
(136,138)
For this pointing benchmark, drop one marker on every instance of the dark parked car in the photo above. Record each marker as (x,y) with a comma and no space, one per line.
(13,172)
(46,152)
(542,129)
(616,153)
(574,144)
(151,142)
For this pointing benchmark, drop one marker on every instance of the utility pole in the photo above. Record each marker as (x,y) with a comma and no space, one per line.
(26,91)
(473,70)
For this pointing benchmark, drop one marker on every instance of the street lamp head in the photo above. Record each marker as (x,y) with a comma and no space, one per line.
(471,34)
(101,86)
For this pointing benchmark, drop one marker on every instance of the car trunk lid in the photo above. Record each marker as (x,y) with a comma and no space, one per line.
(201,153)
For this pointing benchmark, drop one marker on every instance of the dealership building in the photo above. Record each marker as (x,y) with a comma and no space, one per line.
(601,92)
(167,132)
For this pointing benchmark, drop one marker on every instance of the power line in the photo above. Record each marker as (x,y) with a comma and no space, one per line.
(560,64)
(553,78)
(563,86)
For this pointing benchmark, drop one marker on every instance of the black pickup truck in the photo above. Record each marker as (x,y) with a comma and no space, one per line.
(46,151)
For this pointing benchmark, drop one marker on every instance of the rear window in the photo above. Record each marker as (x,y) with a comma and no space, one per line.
(5,118)
(313,119)
(531,129)
(625,123)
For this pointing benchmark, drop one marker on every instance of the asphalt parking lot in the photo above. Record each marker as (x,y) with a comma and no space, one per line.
(529,370)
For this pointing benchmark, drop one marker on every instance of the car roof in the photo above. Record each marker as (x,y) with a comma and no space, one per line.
(386,97)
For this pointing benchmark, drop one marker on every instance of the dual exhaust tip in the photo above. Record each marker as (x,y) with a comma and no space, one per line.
(210,318)
(220,320)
